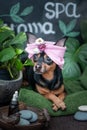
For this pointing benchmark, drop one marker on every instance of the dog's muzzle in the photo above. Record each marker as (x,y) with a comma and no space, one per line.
(39,69)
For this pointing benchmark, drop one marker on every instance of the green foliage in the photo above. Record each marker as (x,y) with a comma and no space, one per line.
(11,48)
(15,14)
(7,54)
(75,59)
(67,30)
(84,30)
(71,68)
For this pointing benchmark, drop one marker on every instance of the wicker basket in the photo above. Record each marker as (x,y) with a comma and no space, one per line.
(43,120)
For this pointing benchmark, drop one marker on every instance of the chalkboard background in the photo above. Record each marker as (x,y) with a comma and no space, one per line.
(42,16)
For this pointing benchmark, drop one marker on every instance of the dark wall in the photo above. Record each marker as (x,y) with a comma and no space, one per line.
(42,16)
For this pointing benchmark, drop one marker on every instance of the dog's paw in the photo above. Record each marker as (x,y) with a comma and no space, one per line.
(59,105)
(54,107)
(62,105)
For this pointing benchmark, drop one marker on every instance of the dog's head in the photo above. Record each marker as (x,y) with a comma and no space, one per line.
(43,60)
(43,63)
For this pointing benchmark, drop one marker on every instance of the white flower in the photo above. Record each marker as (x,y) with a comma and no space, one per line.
(39,41)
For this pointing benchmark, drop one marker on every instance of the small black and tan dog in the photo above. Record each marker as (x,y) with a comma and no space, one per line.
(48,80)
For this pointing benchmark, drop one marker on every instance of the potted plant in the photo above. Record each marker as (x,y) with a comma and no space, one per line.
(11,49)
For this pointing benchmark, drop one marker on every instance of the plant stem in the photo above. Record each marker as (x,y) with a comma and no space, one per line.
(10,72)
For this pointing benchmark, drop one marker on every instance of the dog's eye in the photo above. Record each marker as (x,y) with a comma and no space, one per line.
(35,57)
(48,60)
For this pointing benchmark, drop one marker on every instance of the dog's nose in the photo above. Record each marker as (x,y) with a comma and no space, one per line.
(38,66)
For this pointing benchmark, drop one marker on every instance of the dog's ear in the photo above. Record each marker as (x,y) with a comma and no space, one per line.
(30,37)
(61,42)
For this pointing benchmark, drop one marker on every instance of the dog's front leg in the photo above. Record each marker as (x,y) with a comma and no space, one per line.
(56,100)
(41,90)
(61,104)
(50,96)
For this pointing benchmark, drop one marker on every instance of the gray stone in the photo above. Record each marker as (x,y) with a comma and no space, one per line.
(34,117)
(23,122)
(26,114)
(81,116)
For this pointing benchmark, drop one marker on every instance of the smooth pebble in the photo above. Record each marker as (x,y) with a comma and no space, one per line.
(34,117)
(26,114)
(81,116)
(83,108)
(23,122)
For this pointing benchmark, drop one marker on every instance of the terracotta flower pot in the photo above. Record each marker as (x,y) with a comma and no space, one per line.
(7,89)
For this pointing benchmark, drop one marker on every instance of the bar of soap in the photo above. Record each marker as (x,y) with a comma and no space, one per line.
(81,116)
(26,114)
(83,108)
(23,122)
(34,117)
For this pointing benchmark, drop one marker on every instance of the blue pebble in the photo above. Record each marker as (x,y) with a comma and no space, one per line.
(81,116)
(34,117)
(23,122)
(26,114)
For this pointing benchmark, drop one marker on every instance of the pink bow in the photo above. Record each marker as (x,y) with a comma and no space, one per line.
(56,53)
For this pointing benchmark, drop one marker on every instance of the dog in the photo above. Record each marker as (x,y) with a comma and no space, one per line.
(47,77)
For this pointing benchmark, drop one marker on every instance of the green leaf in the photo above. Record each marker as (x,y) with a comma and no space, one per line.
(72,34)
(1,23)
(17,19)
(15,9)
(72,45)
(62,27)
(71,25)
(28,62)
(82,55)
(7,54)
(5,34)
(18,51)
(71,67)
(19,39)
(71,70)
(27,11)
(75,58)
(18,64)
(83,27)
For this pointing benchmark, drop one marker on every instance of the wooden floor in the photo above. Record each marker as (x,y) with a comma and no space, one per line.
(65,123)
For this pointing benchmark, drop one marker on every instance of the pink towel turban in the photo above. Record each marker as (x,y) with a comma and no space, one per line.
(55,52)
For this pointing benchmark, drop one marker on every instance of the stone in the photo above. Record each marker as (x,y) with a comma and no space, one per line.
(23,122)
(82,108)
(81,116)
(34,117)
(26,114)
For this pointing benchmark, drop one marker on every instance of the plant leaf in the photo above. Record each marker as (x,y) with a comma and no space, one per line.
(28,62)
(83,56)
(26,11)
(18,64)
(19,39)
(7,54)
(71,25)
(5,33)
(17,19)
(18,51)
(72,45)
(62,27)
(71,67)
(1,23)
(71,70)
(83,27)
(15,9)
(72,34)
